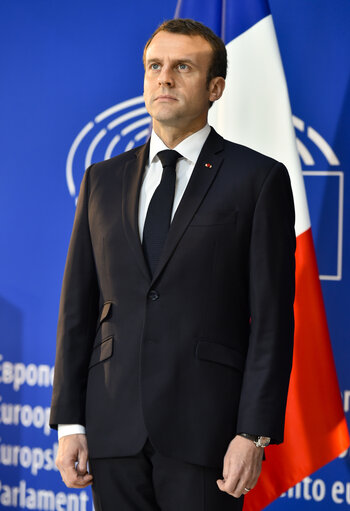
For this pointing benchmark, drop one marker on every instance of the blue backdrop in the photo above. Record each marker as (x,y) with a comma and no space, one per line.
(63,65)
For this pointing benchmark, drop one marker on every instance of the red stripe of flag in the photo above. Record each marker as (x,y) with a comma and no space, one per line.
(316,431)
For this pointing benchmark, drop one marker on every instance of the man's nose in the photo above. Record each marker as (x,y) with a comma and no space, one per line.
(166,77)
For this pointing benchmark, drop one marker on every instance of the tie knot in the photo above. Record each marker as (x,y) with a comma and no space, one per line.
(169,157)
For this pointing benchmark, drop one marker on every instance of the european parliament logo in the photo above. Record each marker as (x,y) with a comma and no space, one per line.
(324,183)
(113,131)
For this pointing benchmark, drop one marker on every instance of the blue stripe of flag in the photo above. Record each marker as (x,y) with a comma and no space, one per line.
(227,18)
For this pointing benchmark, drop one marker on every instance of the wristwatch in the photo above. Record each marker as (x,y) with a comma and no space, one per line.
(259,441)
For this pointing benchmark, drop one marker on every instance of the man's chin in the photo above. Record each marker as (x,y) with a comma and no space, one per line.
(167,119)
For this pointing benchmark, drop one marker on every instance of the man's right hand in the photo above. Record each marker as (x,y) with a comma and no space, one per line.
(73,449)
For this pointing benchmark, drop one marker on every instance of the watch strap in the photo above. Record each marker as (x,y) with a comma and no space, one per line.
(259,441)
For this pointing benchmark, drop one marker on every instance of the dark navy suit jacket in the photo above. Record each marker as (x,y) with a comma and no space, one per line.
(201,350)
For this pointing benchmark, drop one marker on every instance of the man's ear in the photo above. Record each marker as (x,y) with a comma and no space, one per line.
(216,88)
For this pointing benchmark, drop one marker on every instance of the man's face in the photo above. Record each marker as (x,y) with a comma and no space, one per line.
(175,88)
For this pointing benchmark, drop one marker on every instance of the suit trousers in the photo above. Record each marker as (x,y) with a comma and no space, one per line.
(149,481)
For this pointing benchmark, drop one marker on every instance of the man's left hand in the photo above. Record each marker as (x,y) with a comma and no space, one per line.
(242,467)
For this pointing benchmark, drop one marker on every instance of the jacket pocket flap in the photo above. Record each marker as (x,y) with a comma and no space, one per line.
(102,351)
(106,311)
(220,353)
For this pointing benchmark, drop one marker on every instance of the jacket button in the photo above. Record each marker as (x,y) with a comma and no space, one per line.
(153,295)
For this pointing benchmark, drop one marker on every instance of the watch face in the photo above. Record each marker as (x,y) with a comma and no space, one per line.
(264,441)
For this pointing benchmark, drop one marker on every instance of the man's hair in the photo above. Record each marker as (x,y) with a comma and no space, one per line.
(218,65)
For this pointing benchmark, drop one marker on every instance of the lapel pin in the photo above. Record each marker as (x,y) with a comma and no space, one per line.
(208,165)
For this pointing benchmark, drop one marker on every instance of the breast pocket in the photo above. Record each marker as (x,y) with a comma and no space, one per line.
(220,217)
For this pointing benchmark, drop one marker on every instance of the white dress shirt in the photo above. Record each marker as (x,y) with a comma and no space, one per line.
(189,149)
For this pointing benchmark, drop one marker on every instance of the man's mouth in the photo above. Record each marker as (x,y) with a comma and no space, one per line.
(165,97)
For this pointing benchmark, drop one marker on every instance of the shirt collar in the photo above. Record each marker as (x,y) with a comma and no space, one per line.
(189,148)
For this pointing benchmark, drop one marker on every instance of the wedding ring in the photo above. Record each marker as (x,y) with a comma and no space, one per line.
(247,489)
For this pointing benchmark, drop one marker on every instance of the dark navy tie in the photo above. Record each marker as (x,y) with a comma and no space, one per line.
(159,210)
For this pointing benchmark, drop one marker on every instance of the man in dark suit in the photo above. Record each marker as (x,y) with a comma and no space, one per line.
(175,328)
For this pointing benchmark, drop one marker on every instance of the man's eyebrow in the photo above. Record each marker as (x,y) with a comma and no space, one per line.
(185,60)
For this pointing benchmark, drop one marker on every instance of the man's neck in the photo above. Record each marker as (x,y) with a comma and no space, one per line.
(172,136)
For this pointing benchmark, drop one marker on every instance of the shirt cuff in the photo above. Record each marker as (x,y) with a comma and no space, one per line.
(70,429)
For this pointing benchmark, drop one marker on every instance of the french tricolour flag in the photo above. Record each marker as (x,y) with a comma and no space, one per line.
(255,111)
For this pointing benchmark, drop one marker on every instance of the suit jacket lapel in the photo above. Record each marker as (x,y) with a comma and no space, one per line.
(132,181)
(198,185)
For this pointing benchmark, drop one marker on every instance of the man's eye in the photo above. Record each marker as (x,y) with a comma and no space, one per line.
(182,66)
(155,67)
